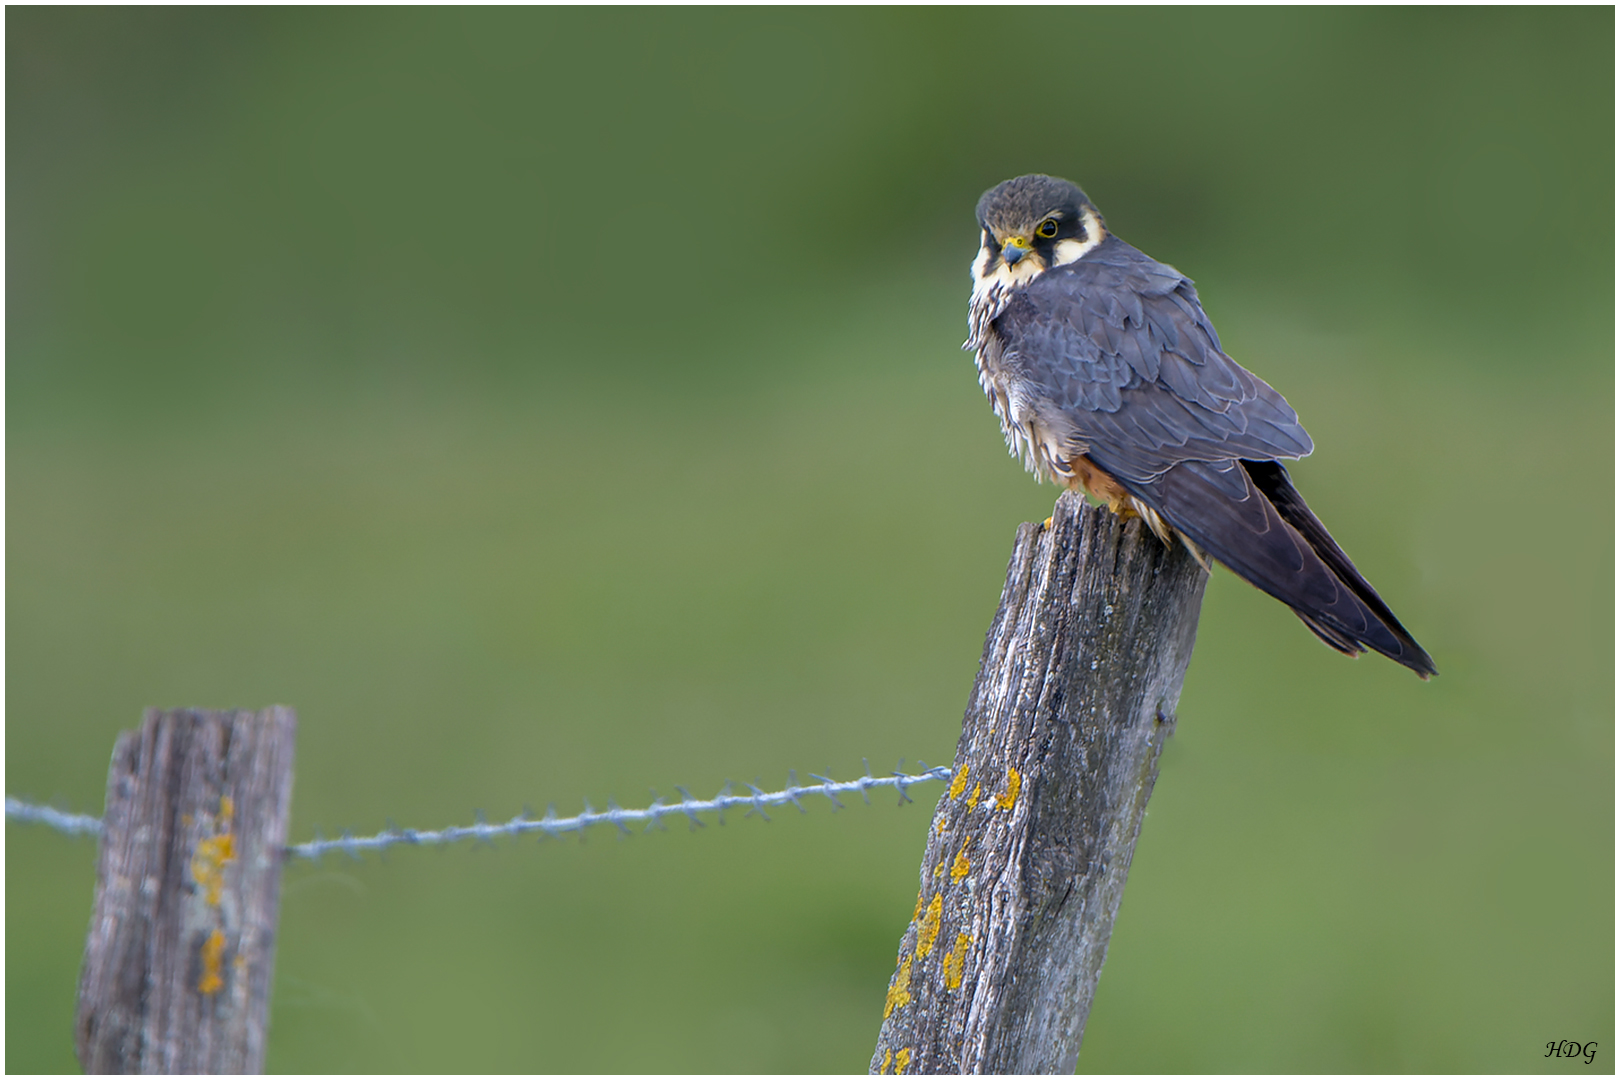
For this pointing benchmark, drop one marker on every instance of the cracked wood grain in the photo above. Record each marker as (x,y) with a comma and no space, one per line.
(1029,847)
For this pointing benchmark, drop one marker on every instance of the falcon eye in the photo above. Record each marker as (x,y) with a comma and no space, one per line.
(1047,229)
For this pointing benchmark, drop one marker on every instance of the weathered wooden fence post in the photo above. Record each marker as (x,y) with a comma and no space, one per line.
(177,963)
(1029,847)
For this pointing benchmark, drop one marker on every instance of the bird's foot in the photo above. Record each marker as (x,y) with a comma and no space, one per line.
(1121,506)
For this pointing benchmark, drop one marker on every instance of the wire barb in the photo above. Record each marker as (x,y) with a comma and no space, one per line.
(826,789)
(793,789)
(686,807)
(755,806)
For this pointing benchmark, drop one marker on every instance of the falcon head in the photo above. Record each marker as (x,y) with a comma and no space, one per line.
(1031,224)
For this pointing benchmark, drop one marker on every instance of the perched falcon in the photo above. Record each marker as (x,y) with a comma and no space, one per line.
(1107,376)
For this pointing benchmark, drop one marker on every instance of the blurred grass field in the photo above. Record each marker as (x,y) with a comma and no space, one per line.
(553,405)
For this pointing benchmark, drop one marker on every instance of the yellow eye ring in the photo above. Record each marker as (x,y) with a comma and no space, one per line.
(1047,229)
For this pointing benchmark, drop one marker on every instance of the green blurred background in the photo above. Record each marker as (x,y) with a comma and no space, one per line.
(557,404)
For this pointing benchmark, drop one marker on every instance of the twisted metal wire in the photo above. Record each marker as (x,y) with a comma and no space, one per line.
(61,821)
(551,825)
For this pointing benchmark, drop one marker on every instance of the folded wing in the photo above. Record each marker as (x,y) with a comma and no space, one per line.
(1121,346)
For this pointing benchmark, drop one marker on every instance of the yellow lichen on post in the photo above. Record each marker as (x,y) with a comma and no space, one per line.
(916,911)
(213,953)
(213,852)
(208,865)
(958,784)
(888,1058)
(929,930)
(960,868)
(973,800)
(899,990)
(901,1060)
(954,961)
(1005,800)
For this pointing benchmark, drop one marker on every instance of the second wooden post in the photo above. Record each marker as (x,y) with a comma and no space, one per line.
(177,963)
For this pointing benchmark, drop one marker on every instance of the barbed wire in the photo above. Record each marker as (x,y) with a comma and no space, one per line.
(61,821)
(551,825)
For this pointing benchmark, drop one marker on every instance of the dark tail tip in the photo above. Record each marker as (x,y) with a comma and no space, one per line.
(1397,644)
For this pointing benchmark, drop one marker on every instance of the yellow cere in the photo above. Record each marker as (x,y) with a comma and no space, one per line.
(901,1060)
(1014,781)
(973,800)
(213,951)
(899,990)
(954,961)
(929,930)
(960,868)
(959,783)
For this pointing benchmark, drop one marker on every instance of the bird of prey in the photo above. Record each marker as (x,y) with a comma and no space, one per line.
(1107,376)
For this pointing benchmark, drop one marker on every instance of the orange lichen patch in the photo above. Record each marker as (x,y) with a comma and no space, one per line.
(939,826)
(899,990)
(901,1060)
(888,1059)
(213,852)
(208,865)
(958,784)
(973,800)
(929,930)
(960,868)
(213,953)
(1005,800)
(916,911)
(954,961)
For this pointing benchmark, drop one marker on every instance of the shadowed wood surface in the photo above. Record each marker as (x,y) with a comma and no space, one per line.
(177,964)
(1030,845)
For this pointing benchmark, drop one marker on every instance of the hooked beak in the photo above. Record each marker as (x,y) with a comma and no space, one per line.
(1014,250)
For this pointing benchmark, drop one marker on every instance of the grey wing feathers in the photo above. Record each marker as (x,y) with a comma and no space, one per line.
(1121,346)
(1120,342)
(1268,536)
